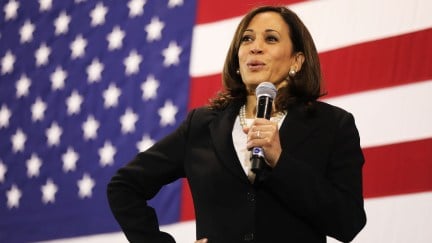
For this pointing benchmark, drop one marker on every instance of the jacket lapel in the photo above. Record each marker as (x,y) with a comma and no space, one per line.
(296,128)
(221,133)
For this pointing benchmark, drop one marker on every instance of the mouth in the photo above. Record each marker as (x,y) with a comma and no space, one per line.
(255,65)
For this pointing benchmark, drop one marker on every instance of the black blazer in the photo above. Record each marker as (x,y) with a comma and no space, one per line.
(314,191)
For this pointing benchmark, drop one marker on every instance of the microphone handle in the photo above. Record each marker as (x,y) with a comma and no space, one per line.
(264,109)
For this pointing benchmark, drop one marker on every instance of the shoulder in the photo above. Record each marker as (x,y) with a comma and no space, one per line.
(323,109)
(326,114)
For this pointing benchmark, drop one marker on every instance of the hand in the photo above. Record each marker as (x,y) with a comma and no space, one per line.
(203,240)
(265,134)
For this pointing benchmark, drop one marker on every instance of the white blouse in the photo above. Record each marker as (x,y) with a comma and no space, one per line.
(240,140)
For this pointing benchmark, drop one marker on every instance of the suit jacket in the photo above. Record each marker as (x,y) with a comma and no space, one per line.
(314,191)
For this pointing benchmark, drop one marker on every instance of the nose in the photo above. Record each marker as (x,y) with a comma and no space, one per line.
(256,48)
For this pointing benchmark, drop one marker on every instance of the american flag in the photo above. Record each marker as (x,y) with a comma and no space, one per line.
(85,85)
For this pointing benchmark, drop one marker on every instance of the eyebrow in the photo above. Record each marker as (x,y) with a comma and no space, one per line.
(267,30)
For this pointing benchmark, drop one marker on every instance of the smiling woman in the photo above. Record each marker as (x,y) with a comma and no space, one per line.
(311,183)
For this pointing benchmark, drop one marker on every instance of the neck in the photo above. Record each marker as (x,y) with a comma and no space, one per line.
(251,103)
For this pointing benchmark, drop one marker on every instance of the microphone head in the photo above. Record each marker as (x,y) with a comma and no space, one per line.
(266,89)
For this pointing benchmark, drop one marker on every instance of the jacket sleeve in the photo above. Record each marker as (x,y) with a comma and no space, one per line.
(330,199)
(139,181)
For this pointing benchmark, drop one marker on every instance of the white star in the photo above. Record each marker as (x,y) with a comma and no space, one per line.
(11,9)
(78,47)
(85,186)
(171,54)
(106,154)
(7,62)
(13,197)
(115,38)
(5,115)
(45,5)
(53,134)
(58,79)
(149,87)
(136,7)
(42,54)
(111,96)
(154,29)
(90,127)
(167,114)
(22,86)
(33,166)
(128,120)
(173,3)
(3,170)
(48,191)
(145,143)
(61,23)
(73,103)
(38,109)
(94,71)
(132,63)
(70,159)
(98,14)
(26,32)
(18,140)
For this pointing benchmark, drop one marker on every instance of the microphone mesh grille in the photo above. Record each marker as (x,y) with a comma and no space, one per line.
(267,89)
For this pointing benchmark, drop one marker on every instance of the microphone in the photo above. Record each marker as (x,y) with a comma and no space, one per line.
(265,93)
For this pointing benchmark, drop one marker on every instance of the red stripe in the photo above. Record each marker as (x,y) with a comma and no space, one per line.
(377,64)
(389,170)
(187,210)
(398,169)
(204,88)
(211,11)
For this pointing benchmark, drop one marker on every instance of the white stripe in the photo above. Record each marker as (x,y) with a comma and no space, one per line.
(394,219)
(332,23)
(391,115)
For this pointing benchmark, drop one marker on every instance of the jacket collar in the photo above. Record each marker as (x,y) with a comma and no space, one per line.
(295,128)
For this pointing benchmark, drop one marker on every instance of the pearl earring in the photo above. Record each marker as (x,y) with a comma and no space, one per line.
(292,72)
(238,72)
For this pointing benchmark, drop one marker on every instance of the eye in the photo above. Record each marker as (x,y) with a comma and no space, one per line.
(272,38)
(246,38)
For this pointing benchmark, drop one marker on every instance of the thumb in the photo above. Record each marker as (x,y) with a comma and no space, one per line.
(203,240)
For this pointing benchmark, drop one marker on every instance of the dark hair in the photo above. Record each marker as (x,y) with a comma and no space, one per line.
(305,87)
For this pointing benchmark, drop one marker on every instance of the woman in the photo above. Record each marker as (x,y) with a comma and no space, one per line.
(312,187)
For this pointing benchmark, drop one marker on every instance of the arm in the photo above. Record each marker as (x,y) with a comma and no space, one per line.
(140,180)
(329,198)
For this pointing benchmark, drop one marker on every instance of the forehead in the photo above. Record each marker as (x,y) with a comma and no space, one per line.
(268,21)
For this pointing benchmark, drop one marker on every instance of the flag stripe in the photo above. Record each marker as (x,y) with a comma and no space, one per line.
(378,64)
(340,24)
(384,116)
(375,64)
(398,168)
(211,11)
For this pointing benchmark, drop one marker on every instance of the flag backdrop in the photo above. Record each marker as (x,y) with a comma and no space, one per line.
(85,85)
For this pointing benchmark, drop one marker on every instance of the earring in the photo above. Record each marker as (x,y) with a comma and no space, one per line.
(238,72)
(292,72)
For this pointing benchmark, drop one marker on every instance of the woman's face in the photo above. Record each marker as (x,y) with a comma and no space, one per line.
(266,51)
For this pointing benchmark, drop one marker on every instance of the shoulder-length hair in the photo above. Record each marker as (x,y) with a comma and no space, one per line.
(305,87)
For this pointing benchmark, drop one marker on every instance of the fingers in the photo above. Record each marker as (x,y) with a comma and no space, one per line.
(203,240)
(265,134)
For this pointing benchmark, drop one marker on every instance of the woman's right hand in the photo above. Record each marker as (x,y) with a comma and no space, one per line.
(203,240)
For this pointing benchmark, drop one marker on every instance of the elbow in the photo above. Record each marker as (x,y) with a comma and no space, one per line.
(349,230)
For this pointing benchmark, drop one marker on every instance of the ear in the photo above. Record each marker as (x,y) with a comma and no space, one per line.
(298,60)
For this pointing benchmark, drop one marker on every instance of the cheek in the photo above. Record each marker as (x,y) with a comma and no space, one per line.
(241,54)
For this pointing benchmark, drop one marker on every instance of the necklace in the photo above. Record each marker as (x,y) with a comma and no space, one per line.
(242,116)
